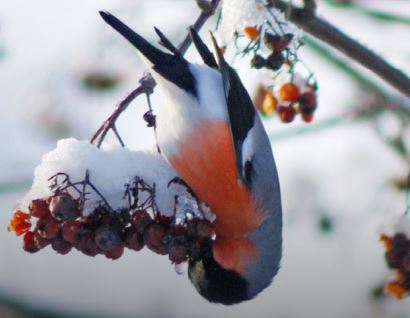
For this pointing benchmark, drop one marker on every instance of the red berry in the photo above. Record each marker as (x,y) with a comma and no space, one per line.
(140,220)
(133,239)
(115,253)
(38,208)
(308,101)
(29,244)
(87,245)
(61,246)
(307,118)
(154,236)
(106,237)
(63,207)
(72,231)
(177,252)
(47,226)
(33,242)
(286,114)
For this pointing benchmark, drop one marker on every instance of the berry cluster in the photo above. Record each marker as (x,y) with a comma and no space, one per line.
(398,258)
(58,221)
(278,45)
(288,100)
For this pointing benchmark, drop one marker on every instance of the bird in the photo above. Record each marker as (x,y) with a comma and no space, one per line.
(209,132)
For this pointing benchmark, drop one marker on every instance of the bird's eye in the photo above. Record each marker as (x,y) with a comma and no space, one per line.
(248,171)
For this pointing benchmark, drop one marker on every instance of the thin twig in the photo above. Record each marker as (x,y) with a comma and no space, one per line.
(307,20)
(109,123)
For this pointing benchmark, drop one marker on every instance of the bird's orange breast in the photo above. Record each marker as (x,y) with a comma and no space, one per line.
(206,161)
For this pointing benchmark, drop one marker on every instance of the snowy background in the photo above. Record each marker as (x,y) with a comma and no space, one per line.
(336,183)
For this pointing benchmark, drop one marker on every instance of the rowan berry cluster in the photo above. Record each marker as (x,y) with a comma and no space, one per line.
(398,259)
(58,221)
(278,46)
(287,100)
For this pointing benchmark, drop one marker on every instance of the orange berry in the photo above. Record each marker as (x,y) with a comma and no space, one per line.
(395,289)
(222,49)
(19,223)
(387,242)
(259,96)
(289,92)
(251,33)
(269,104)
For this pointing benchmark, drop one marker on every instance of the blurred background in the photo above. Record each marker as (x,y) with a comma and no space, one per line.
(343,177)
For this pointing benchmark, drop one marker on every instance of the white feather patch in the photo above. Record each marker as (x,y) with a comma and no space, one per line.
(181,111)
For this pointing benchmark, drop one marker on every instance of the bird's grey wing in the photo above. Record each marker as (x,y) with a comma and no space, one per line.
(241,111)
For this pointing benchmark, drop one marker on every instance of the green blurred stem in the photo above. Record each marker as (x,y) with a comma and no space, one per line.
(14,186)
(306,19)
(374,13)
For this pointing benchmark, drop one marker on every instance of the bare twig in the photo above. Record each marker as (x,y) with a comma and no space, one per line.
(146,82)
(307,20)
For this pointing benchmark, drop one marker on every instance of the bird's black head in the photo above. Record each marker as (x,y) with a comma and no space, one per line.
(215,283)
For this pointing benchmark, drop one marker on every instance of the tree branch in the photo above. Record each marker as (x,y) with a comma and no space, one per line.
(147,83)
(307,20)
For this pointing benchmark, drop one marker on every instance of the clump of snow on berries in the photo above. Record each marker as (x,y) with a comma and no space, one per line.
(110,168)
(239,14)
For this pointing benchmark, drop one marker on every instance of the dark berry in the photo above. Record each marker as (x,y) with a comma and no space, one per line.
(258,62)
(61,246)
(63,207)
(153,238)
(87,245)
(140,220)
(275,61)
(115,253)
(106,237)
(177,252)
(133,239)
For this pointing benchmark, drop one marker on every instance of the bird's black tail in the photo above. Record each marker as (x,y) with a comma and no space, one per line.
(172,67)
(153,54)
